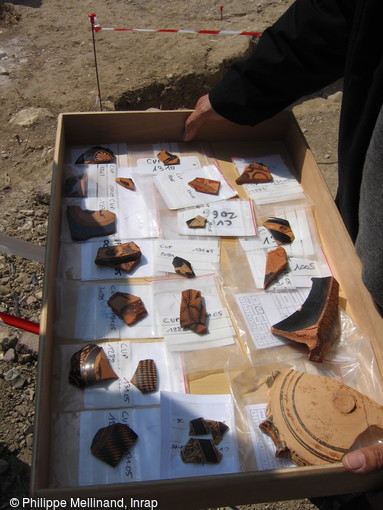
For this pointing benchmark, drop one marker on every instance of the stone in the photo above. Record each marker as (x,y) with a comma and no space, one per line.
(125,256)
(316,323)
(183,267)
(255,173)
(276,263)
(90,366)
(128,307)
(14,378)
(202,185)
(168,158)
(125,182)
(10,355)
(28,343)
(314,419)
(84,224)
(95,155)
(197,222)
(280,229)
(110,443)
(30,116)
(193,312)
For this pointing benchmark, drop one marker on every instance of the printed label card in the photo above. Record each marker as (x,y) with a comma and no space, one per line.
(141,462)
(203,255)
(137,215)
(153,159)
(177,193)
(177,411)
(95,319)
(226,218)
(263,309)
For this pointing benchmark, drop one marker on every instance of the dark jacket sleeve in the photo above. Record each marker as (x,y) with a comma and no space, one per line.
(301,53)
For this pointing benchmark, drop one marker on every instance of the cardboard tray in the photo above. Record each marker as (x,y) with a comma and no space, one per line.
(225,138)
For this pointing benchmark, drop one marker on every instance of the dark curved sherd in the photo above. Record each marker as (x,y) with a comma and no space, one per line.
(84,224)
(90,366)
(316,324)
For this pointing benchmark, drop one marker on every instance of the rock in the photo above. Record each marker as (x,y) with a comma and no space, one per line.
(336,97)
(28,343)
(3,71)
(10,355)
(30,116)
(14,378)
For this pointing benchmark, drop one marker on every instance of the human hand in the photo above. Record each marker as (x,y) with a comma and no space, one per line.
(365,459)
(202,113)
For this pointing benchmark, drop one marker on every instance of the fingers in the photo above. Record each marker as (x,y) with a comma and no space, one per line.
(203,112)
(364,460)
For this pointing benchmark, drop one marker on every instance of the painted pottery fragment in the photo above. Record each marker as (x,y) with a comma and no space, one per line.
(208,186)
(128,307)
(145,376)
(112,442)
(202,427)
(200,451)
(125,182)
(183,267)
(316,323)
(314,419)
(125,256)
(280,229)
(89,366)
(276,263)
(76,186)
(193,311)
(197,222)
(255,173)
(84,224)
(168,158)
(95,155)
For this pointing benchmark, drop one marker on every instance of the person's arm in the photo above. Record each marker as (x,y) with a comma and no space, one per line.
(302,52)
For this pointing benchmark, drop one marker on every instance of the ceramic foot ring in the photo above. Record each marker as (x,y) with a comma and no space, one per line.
(314,419)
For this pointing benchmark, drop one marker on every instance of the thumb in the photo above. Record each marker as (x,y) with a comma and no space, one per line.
(364,460)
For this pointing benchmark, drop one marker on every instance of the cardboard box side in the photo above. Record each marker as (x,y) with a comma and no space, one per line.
(230,490)
(115,127)
(209,491)
(40,467)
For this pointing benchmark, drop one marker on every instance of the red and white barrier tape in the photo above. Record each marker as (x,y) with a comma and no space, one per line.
(97,28)
(19,323)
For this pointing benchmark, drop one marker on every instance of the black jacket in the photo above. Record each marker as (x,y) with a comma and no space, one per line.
(312,45)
